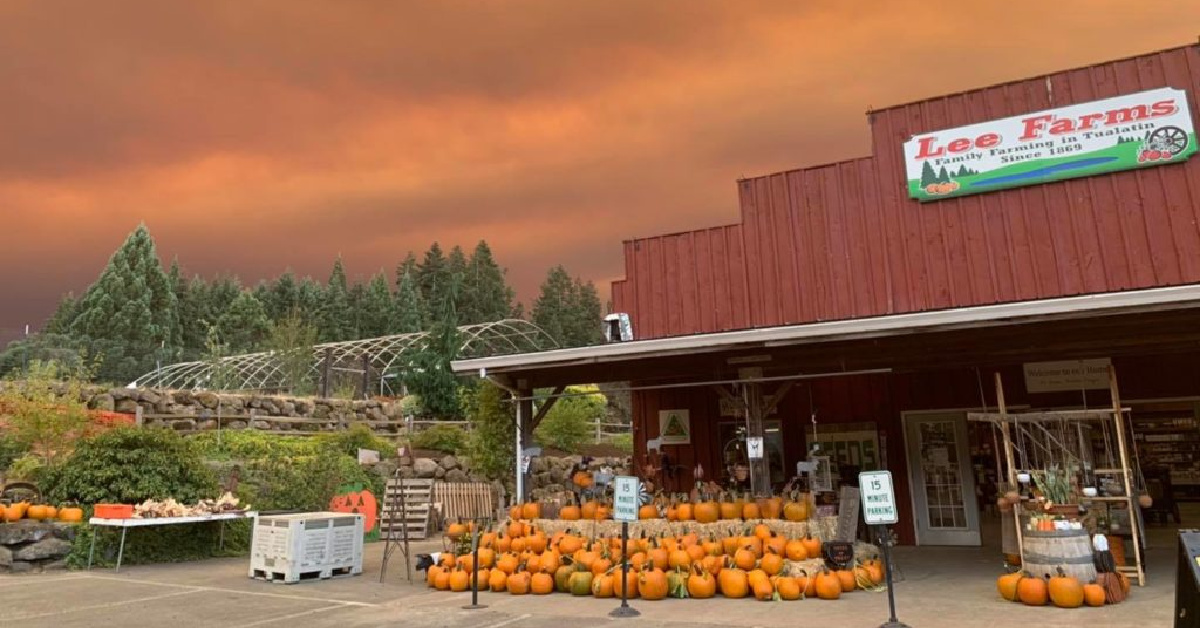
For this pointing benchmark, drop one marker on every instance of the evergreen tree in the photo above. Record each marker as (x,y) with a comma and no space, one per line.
(377,308)
(410,313)
(291,343)
(569,310)
(244,326)
(488,296)
(433,274)
(551,310)
(962,171)
(282,297)
(943,176)
(336,319)
(193,324)
(429,374)
(456,271)
(357,297)
(927,174)
(221,294)
(410,267)
(309,298)
(129,311)
(60,321)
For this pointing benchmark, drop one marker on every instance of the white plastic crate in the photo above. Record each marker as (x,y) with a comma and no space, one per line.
(310,545)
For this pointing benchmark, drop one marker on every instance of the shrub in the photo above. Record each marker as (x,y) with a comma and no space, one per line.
(493,431)
(308,483)
(10,450)
(570,422)
(359,436)
(43,412)
(250,445)
(624,442)
(27,468)
(447,438)
(129,465)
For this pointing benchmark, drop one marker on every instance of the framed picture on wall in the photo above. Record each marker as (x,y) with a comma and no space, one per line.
(674,427)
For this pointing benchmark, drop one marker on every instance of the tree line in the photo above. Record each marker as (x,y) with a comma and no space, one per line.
(137,315)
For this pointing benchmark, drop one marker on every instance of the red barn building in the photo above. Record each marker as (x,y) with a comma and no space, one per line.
(871,302)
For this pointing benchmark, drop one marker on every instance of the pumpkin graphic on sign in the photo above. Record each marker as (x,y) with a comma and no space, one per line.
(357,500)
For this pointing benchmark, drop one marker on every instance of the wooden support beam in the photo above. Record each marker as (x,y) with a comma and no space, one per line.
(544,409)
(780,393)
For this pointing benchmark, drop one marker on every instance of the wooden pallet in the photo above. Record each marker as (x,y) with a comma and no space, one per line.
(418,507)
(467,500)
(280,577)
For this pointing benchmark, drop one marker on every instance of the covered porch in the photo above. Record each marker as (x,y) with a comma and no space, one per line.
(791,386)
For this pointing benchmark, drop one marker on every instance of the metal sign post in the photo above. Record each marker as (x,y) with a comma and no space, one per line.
(626,500)
(474,605)
(879,509)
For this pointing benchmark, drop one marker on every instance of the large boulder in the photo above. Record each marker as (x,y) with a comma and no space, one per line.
(440,473)
(6,558)
(425,467)
(302,407)
(25,532)
(127,406)
(449,462)
(149,396)
(207,399)
(458,476)
(103,402)
(261,425)
(50,548)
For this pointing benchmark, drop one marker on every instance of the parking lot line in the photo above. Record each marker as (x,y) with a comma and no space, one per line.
(239,591)
(89,607)
(269,620)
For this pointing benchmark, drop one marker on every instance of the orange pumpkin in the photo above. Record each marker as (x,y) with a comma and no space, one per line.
(730,510)
(531,510)
(812,546)
(763,591)
(744,558)
(541,584)
(570,513)
(1093,595)
(702,585)
(652,584)
(772,563)
(432,574)
(733,582)
(649,511)
(796,510)
(1065,591)
(602,586)
(794,550)
(706,512)
(684,511)
(771,507)
(1006,585)
(679,558)
(459,581)
(828,586)
(788,588)
(497,581)
(750,510)
(846,577)
(588,510)
(1032,591)
(519,582)
(441,582)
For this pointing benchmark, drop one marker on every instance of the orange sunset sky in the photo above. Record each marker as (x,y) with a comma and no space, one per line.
(254,136)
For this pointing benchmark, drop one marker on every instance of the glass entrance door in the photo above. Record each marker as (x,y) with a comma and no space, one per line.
(943,486)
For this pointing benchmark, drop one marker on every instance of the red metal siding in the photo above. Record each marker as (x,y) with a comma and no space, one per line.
(844,241)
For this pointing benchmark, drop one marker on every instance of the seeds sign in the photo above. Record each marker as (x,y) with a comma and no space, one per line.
(1143,129)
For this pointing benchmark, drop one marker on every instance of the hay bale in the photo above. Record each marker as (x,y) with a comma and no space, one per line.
(822,528)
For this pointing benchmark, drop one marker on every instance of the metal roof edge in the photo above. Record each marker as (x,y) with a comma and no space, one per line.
(1149,299)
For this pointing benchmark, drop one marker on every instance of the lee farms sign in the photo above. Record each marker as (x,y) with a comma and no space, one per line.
(1136,130)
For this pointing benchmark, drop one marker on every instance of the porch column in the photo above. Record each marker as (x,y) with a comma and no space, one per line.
(760,473)
(524,438)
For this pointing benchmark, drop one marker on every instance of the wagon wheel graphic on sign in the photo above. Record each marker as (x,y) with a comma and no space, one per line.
(1169,139)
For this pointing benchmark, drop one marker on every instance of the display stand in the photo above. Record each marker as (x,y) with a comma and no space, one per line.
(1035,422)
(390,543)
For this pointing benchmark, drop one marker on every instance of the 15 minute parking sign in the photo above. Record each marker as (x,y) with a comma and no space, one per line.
(878,498)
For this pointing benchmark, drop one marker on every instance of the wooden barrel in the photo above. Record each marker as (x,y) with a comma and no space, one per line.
(1045,552)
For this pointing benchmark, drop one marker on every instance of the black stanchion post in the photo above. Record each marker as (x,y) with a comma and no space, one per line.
(474,567)
(885,543)
(624,610)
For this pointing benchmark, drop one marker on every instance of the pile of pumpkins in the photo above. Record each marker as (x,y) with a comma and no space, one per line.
(1062,590)
(725,506)
(520,559)
(12,513)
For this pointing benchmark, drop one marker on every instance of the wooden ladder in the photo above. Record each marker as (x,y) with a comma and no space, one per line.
(418,507)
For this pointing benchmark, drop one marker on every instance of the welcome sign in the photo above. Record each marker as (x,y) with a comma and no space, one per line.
(1148,128)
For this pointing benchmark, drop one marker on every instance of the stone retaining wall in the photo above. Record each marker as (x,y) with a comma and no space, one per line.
(32,546)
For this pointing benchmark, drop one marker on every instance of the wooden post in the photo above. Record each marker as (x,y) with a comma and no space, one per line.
(1119,418)
(138,418)
(366,378)
(1002,407)
(760,470)
(326,366)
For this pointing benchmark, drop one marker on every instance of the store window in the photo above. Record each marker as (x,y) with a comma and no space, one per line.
(733,449)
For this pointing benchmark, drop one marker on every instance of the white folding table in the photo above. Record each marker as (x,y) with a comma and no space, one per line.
(125,524)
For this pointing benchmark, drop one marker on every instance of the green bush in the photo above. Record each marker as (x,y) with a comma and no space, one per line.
(129,465)
(570,422)
(10,450)
(308,483)
(447,438)
(250,445)
(27,468)
(359,436)
(493,431)
(624,442)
